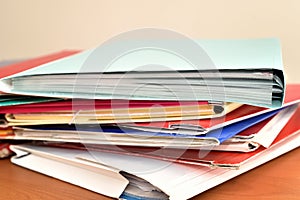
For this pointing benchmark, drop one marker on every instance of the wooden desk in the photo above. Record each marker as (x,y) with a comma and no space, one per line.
(278,179)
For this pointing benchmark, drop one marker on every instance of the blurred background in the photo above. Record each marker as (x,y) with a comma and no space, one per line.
(35,27)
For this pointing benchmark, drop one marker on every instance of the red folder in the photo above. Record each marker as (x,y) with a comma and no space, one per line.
(35,62)
(85,104)
(4,150)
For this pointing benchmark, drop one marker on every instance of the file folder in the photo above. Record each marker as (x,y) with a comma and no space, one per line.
(249,71)
(105,114)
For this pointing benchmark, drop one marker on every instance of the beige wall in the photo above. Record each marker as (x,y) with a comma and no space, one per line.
(33,27)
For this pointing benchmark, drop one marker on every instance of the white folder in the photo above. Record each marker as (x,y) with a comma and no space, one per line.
(104,172)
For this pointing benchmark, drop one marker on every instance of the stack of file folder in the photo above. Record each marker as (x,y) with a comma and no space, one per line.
(123,133)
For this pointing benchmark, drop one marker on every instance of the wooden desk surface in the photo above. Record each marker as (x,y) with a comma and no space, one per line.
(278,179)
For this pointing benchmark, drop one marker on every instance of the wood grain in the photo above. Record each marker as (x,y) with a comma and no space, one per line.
(278,179)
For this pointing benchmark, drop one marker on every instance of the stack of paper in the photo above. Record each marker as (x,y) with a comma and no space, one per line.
(150,132)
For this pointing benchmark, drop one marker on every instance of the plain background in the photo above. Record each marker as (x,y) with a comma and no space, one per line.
(35,27)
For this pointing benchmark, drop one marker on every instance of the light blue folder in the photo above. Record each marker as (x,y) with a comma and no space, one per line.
(231,57)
